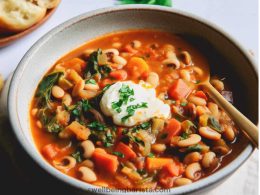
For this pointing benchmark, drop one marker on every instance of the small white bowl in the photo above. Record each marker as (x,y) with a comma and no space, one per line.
(78,30)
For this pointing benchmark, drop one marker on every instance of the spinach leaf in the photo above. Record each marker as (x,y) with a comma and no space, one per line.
(49,121)
(43,92)
(94,68)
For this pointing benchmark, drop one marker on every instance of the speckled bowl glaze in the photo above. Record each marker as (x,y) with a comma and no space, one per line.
(80,29)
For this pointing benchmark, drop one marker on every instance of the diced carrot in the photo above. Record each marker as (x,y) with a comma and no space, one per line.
(105,161)
(173,169)
(179,90)
(172,129)
(50,151)
(119,75)
(201,94)
(126,150)
(81,132)
(157,163)
(101,150)
(137,66)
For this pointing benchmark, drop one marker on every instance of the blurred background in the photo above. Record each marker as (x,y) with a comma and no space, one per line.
(238,18)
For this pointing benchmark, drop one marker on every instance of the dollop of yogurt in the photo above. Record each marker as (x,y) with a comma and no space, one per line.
(130,104)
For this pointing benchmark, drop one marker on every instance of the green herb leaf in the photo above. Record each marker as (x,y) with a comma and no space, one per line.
(214,124)
(132,108)
(195,148)
(44,89)
(184,136)
(94,68)
(184,104)
(151,155)
(77,155)
(91,81)
(49,121)
(119,154)
(124,94)
(96,126)
(144,126)
(150,2)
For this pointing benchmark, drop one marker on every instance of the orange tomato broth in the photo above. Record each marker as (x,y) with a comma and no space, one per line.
(146,37)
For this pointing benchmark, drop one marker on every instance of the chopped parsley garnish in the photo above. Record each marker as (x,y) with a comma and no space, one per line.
(124,94)
(131,110)
(144,126)
(184,104)
(194,148)
(77,155)
(96,126)
(151,155)
(91,81)
(119,154)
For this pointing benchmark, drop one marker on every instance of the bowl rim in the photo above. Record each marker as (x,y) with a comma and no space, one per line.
(17,129)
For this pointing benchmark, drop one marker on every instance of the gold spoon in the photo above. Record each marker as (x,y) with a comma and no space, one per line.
(240,120)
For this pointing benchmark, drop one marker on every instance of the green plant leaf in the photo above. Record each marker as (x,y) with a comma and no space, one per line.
(149,2)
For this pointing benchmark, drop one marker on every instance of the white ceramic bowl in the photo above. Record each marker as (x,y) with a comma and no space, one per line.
(78,30)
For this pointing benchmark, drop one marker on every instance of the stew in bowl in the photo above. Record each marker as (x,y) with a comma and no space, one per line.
(126,110)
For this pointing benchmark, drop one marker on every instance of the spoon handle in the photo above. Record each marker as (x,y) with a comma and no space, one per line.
(242,122)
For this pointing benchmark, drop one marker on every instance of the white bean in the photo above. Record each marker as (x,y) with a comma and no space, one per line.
(191,140)
(88,148)
(57,92)
(136,44)
(88,163)
(158,148)
(197,100)
(185,74)
(65,164)
(172,61)
(192,157)
(209,133)
(153,79)
(67,99)
(119,60)
(87,174)
(182,181)
(208,159)
(192,171)
(90,86)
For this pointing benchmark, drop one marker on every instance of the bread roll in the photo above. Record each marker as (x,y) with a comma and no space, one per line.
(48,4)
(18,15)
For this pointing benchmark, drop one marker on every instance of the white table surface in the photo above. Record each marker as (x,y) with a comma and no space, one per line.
(237,17)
